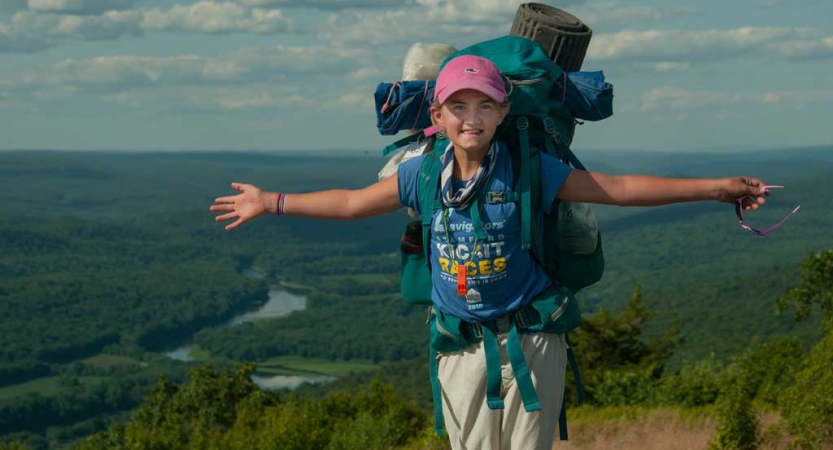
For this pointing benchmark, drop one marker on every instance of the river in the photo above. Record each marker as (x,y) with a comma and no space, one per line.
(281,303)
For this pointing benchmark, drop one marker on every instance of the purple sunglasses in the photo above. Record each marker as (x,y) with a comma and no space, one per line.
(765,231)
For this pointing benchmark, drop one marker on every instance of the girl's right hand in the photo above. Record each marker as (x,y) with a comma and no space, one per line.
(250,204)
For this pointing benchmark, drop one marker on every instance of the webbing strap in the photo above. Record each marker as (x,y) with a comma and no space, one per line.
(562,421)
(493,197)
(476,222)
(551,150)
(493,376)
(407,140)
(434,371)
(571,357)
(574,160)
(526,193)
(521,370)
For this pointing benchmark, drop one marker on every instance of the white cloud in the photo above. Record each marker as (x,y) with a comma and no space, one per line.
(686,46)
(276,64)
(31,30)
(671,98)
(212,17)
(615,15)
(132,71)
(447,21)
(806,48)
(676,99)
(366,73)
(352,101)
(213,98)
(79,6)
(13,5)
(670,66)
(108,25)
(240,98)
(326,4)
(12,42)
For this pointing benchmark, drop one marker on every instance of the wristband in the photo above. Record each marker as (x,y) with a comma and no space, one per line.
(281,198)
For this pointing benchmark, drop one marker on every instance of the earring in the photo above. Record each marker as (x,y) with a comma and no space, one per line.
(441,134)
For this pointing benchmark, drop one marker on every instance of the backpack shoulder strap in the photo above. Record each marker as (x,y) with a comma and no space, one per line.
(429,182)
(526,167)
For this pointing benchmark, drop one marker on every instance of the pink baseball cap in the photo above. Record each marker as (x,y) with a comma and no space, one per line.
(470,72)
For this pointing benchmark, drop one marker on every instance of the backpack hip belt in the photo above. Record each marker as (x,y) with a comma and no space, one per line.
(546,313)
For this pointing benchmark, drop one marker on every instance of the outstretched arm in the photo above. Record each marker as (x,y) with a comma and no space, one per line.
(643,190)
(252,202)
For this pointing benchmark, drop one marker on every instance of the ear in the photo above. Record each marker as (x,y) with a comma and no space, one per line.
(437,117)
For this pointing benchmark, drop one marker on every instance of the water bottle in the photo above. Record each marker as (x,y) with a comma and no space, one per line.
(412,239)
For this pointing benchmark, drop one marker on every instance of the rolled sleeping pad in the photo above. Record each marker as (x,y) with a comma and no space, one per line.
(562,35)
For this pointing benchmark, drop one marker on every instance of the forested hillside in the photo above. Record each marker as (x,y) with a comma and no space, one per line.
(108,259)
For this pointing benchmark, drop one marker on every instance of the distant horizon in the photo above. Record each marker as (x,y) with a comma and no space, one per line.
(377,152)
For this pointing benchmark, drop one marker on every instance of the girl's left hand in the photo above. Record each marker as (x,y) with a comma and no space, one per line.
(751,189)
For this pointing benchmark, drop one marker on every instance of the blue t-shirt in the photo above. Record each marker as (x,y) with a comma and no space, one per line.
(506,276)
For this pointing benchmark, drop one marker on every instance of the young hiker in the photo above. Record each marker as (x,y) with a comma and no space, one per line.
(470,102)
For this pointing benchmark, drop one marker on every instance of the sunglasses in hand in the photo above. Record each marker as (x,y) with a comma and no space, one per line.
(765,231)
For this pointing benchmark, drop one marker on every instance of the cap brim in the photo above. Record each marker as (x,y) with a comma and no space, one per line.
(497,95)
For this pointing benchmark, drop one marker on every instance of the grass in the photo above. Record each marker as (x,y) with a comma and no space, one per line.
(298,365)
(108,361)
(363,278)
(299,288)
(642,428)
(46,386)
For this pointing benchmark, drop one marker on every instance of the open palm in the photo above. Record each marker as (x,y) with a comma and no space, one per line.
(243,207)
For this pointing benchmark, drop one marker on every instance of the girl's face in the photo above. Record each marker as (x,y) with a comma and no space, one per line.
(469,119)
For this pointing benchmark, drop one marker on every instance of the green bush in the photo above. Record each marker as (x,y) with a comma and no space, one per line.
(695,385)
(13,446)
(807,406)
(226,411)
(770,368)
(626,387)
(736,422)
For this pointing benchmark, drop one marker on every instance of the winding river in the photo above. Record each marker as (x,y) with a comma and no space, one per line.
(281,303)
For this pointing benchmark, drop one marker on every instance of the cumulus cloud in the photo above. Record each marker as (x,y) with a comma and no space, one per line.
(275,64)
(79,6)
(667,66)
(212,17)
(13,5)
(327,4)
(12,42)
(428,20)
(687,46)
(677,99)
(132,71)
(672,98)
(609,15)
(108,25)
(352,101)
(240,98)
(806,48)
(33,30)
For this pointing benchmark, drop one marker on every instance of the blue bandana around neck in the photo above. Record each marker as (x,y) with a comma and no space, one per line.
(462,198)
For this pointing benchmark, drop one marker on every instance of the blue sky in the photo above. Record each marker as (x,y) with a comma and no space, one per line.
(300,74)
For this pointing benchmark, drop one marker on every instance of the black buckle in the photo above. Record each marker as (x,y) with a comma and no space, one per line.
(522,123)
(549,125)
(521,319)
(477,329)
(494,197)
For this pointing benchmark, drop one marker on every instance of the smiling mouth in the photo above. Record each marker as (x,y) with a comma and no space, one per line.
(472,132)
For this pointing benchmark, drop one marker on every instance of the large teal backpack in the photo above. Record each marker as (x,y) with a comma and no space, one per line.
(538,121)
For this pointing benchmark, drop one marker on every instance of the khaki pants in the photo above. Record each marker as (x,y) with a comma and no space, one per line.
(471,425)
